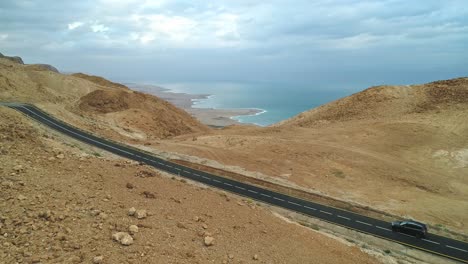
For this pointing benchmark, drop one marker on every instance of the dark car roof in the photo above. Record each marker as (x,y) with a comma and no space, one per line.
(415,222)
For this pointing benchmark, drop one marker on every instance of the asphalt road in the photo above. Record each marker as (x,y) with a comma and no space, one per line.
(453,249)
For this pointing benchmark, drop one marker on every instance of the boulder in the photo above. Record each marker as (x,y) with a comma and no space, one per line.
(123,238)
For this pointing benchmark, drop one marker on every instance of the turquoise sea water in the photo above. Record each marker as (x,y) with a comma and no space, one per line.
(277,102)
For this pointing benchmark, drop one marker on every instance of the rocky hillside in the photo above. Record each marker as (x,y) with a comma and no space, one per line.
(63,202)
(389,103)
(398,149)
(94,103)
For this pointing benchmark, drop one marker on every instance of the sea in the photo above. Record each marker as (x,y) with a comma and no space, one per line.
(275,102)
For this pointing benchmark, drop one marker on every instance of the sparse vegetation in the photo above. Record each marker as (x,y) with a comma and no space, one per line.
(338,173)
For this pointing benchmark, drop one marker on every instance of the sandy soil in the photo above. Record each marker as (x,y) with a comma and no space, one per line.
(208,116)
(400,149)
(62,202)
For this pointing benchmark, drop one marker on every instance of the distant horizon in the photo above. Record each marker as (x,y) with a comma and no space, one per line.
(334,44)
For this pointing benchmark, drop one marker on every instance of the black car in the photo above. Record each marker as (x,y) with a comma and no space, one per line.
(410,227)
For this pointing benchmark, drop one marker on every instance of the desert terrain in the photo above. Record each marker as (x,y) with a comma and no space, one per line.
(398,149)
(62,202)
(65,202)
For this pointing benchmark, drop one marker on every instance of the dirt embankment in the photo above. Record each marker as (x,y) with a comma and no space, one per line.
(399,149)
(95,104)
(62,202)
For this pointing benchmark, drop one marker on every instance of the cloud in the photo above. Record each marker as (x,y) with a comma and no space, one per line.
(75,25)
(97,28)
(241,39)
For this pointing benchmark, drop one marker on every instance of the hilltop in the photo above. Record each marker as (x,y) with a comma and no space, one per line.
(62,201)
(94,103)
(397,149)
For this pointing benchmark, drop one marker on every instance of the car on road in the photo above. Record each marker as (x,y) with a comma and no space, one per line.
(410,227)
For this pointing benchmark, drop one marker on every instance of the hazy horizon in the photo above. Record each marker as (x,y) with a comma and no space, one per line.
(341,44)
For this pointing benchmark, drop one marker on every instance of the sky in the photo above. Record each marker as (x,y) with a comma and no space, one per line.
(328,44)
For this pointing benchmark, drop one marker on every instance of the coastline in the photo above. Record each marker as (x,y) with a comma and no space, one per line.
(216,117)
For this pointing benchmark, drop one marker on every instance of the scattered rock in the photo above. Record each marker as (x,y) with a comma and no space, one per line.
(95,212)
(149,195)
(123,238)
(60,156)
(130,186)
(205,226)
(145,174)
(140,214)
(98,259)
(131,211)
(21,197)
(103,215)
(18,168)
(181,225)
(196,218)
(7,184)
(133,229)
(208,241)
(255,257)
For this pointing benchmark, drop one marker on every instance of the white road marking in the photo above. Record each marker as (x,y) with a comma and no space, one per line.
(228,184)
(279,199)
(294,203)
(187,171)
(216,181)
(430,241)
(123,151)
(238,187)
(325,212)
(206,178)
(383,228)
(196,175)
(347,218)
(177,169)
(456,248)
(364,223)
(73,132)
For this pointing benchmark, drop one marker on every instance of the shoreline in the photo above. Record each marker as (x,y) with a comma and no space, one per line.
(216,117)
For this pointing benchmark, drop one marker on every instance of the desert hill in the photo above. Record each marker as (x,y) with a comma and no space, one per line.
(62,201)
(388,103)
(398,149)
(94,103)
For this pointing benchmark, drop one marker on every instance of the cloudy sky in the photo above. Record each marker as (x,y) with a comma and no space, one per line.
(323,43)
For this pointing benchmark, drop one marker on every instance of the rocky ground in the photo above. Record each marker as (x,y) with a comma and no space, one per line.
(63,202)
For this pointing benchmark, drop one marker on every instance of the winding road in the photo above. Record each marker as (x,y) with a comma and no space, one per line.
(442,246)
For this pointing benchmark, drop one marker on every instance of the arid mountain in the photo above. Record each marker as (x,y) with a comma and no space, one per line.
(94,103)
(62,201)
(388,103)
(398,149)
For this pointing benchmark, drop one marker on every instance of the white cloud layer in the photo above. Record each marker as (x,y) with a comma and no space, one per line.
(240,39)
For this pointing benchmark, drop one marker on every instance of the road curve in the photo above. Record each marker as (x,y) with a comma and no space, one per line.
(438,245)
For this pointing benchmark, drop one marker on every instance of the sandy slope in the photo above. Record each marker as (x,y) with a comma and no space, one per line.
(94,103)
(402,149)
(60,203)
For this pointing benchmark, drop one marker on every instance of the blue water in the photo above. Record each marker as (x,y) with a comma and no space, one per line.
(278,101)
